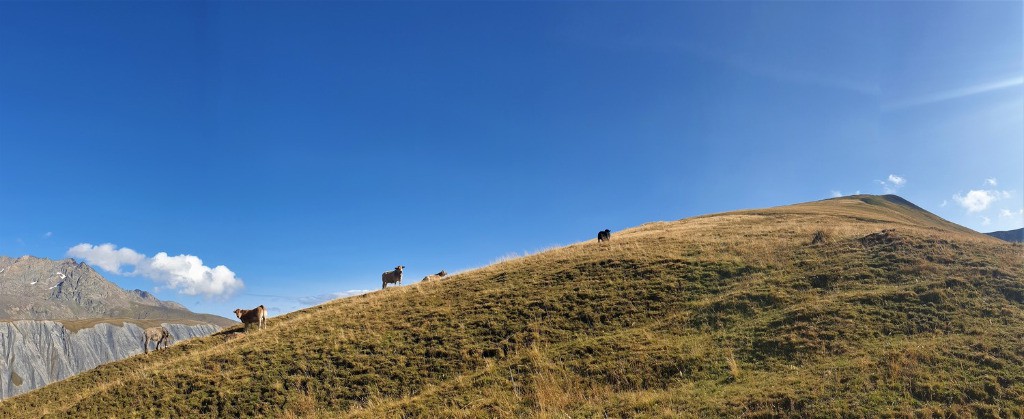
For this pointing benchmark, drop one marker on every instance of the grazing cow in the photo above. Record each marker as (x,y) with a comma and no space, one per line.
(603,236)
(391,277)
(158,334)
(438,275)
(257,316)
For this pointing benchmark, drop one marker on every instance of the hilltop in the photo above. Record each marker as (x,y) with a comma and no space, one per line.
(854,306)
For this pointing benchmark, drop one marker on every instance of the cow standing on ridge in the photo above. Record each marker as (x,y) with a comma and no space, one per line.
(391,277)
(603,236)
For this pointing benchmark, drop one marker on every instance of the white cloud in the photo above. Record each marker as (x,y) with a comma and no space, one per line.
(944,202)
(836,194)
(893,183)
(977,200)
(188,275)
(106,256)
(185,274)
(48,234)
(991,182)
(897,180)
(985,220)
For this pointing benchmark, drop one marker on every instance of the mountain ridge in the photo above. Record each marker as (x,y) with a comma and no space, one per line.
(33,288)
(1009,235)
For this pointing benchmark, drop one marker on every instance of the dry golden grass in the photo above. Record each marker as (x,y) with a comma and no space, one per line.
(894,313)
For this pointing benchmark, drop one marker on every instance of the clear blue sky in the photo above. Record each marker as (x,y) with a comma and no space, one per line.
(309,146)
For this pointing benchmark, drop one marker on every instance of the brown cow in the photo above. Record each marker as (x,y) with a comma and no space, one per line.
(158,334)
(391,277)
(256,316)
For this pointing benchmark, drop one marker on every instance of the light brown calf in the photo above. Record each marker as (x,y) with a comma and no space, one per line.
(256,316)
(438,275)
(158,334)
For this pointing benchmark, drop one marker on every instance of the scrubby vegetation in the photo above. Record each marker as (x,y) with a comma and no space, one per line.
(857,306)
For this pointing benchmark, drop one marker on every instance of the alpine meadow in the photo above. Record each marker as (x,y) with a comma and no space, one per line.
(856,306)
(511,209)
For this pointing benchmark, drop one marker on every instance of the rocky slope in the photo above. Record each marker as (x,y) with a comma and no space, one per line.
(34,353)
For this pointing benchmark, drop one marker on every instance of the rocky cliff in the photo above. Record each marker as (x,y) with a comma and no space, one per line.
(34,353)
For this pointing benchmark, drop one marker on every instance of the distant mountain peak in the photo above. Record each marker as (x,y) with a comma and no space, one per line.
(33,288)
(145,295)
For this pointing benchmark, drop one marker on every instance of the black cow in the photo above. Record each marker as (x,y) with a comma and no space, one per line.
(603,236)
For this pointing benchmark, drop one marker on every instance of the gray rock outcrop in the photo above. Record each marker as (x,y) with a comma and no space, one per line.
(34,353)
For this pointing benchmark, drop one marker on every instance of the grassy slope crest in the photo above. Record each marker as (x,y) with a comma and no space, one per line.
(862,306)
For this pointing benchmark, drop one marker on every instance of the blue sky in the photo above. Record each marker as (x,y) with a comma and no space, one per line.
(306,147)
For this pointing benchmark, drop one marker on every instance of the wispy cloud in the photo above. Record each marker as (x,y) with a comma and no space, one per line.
(1005,213)
(985,220)
(991,182)
(944,203)
(837,194)
(783,73)
(893,183)
(48,234)
(280,304)
(322,298)
(952,94)
(185,274)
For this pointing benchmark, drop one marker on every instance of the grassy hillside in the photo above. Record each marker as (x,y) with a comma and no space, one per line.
(856,306)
